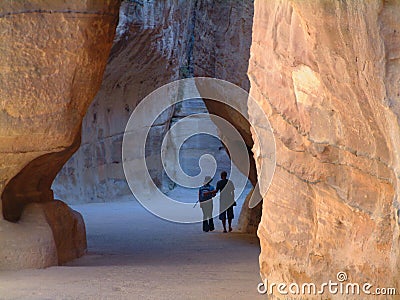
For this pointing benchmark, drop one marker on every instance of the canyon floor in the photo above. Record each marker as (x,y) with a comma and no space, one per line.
(133,254)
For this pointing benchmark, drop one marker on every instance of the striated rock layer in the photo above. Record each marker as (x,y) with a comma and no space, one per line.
(53,56)
(327,75)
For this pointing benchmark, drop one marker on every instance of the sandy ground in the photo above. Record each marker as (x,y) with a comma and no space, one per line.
(135,255)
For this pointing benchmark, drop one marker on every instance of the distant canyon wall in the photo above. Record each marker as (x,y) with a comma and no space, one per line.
(146,54)
(221,49)
(157,42)
(327,75)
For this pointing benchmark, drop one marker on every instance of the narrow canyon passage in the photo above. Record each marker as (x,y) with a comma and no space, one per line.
(134,255)
(321,80)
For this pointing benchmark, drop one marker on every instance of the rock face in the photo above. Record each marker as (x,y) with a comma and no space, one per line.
(198,145)
(68,230)
(46,234)
(157,42)
(148,51)
(52,59)
(327,75)
(28,243)
(221,44)
(221,49)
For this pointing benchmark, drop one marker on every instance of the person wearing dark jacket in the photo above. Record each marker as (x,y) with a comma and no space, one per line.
(226,200)
(206,192)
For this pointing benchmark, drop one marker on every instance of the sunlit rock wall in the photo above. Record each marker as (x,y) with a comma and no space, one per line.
(53,55)
(327,75)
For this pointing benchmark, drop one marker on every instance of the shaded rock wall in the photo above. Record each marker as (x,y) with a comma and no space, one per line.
(157,42)
(147,53)
(221,49)
(53,56)
(326,73)
(198,145)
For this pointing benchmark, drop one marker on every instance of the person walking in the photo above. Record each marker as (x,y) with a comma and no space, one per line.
(226,200)
(206,192)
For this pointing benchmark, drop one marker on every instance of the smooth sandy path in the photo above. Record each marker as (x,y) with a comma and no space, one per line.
(135,255)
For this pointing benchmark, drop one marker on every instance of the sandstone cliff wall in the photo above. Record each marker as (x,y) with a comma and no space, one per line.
(148,50)
(157,42)
(326,73)
(53,55)
(221,49)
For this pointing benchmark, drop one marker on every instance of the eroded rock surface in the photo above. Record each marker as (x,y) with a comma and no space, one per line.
(327,76)
(148,50)
(53,54)
(157,42)
(68,230)
(28,243)
(221,49)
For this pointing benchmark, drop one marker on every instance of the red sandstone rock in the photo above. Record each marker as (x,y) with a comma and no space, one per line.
(68,230)
(53,54)
(325,74)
